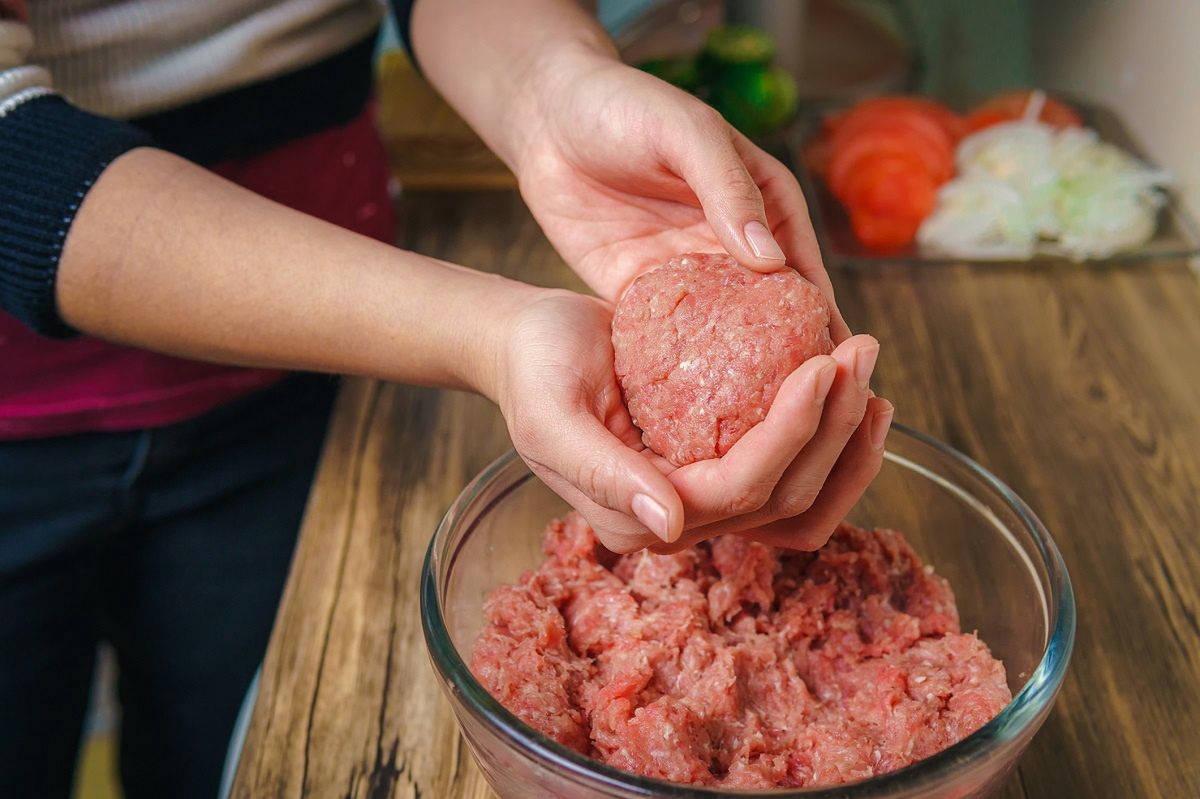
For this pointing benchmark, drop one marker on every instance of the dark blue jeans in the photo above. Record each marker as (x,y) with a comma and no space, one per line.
(172,544)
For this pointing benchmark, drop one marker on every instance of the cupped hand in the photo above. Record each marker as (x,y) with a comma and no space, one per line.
(624,171)
(788,481)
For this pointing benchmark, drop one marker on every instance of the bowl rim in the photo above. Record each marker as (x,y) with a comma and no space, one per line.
(1029,705)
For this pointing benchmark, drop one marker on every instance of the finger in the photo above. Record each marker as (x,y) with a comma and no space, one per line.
(802,481)
(613,475)
(744,479)
(844,412)
(729,197)
(858,466)
(785,205)
(685,541)
(617,531)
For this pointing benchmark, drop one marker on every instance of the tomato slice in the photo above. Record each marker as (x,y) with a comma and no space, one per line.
(951,123)
(876,117)
(887,198)
(1011,105)
(884,159)
(918,117)
(890,186)
(893,142)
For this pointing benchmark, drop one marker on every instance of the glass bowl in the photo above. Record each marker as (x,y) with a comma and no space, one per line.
(1007,573)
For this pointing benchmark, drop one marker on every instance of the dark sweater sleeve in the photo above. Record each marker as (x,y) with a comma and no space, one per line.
(51,154)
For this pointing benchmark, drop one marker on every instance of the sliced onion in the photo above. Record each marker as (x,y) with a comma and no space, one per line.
(1023,182)
(980,218)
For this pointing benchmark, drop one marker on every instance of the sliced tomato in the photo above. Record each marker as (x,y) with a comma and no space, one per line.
(887,198)
(947,120)
(895,143)
(1011,105)
(954,125)
(889,186)
(884,159)
(940,127)
(876,117)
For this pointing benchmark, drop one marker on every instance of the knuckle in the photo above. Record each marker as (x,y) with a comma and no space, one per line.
(873,471)
(707,119)
(595,478)
(749,499)
(742,191)
(739,188)
(847,420)
(806,537)
(527,438)
(815,538)
(795,500)
(781,175)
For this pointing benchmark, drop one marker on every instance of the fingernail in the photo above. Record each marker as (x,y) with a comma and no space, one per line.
(650,513)
(824,382)
(880,426)
(762,242)
(864,364)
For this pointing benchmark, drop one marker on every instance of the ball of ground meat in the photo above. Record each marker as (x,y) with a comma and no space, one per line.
(702,345)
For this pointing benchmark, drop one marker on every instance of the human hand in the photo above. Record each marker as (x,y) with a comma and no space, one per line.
(624,171)
(788,482)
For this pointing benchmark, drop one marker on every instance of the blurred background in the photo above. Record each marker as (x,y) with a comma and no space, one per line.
(1137,57)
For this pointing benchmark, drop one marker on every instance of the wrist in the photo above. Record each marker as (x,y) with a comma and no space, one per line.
(485,330)
(491,60)
(546,88)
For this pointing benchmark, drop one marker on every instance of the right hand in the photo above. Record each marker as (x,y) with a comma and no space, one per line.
(788,482)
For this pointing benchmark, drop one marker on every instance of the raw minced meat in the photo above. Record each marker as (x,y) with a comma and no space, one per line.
(734,664)
(702,345)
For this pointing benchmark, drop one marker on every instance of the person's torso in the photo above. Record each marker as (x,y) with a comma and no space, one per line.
(268,93)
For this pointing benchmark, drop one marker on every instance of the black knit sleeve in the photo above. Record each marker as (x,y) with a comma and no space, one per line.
(51,154)
(402,10)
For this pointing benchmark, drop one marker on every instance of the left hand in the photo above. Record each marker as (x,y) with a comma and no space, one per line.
(624,171)
(788,481)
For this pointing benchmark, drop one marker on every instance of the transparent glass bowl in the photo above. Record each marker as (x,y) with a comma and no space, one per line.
(1006,571)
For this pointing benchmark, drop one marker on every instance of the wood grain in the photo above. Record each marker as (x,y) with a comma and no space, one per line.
(1078,387)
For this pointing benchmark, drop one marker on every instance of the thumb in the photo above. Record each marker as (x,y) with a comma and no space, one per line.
(731,200)
(616,476)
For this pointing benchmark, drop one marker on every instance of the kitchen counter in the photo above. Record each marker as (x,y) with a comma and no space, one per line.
(1079,387)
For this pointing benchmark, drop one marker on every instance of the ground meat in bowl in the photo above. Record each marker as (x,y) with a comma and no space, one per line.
(702,345)
(737,665)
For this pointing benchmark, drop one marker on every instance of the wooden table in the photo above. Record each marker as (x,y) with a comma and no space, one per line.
(1079,387)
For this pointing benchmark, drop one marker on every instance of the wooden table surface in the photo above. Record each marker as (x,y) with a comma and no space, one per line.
(1080,387)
